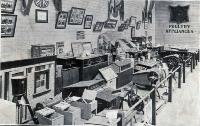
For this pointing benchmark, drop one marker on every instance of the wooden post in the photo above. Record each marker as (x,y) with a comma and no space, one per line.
(198,54)
(179,76)
(193,58)
(183,71)
(191,64)
(153,97)
(170,88)
(196,58)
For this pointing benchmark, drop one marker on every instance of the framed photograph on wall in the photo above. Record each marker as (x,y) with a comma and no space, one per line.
(138,24)
(61,20)
(8,6)
(98,26)
(88,21)
(59,48)
(121,28)
(132,32)
(77,48)
(132,21)
(76,16)
(145,25)
(110,24)
(8,24)
(41,16)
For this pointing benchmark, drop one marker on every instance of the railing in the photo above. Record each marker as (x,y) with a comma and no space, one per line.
(152,93)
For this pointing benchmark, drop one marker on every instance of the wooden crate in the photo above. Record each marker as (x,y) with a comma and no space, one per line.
(72,115)
(53,119)
(86,108)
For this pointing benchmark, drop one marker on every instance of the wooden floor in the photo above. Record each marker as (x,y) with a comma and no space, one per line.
(184,110)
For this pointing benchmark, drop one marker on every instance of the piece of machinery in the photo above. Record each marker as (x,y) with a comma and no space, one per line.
(172,61)
(19,86)
(145,78)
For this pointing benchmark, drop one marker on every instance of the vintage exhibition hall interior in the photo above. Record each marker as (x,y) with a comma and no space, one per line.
(100,62)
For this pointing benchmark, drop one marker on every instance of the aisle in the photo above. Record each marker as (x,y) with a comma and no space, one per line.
(185,107)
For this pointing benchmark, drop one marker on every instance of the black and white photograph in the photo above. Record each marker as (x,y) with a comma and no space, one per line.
(98,26)
(8,24)
(41,16)
(100,63)
(61,20)
(88,21)
(110,24)
(8,6)
(76,16)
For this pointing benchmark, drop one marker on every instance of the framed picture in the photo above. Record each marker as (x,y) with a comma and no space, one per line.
(59,48)
(8,24)
(77,48)
(145,25)
(41,16)
(127,23)
(98,26)
(138,25)
(88,22)
(80,35)
(76,16)
(110,24)
(121,28)
(132,21)
(87,47)
(61,20)
(8,6)
(132,32)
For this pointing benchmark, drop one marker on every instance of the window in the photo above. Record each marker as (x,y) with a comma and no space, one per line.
(41,81)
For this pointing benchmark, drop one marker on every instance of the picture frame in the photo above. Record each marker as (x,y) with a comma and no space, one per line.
(59,48)
(61,20)
(76,16)
(110,24)
(145,25)
(98,27)
(87,47)
(88,21)
(41,16)
(138,24)
(121,28)
(80,35)
(77,48)
(127,23)
(8,6)
(132,21)
(8,24)
(132,32)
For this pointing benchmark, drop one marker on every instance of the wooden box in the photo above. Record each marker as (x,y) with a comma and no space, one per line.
(87,109)
(124,71)
(42,50)
(109,76)
(72,115)
(70,76)
(90,65)
(53,119)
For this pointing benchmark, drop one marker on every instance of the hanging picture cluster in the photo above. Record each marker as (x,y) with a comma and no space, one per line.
(130,22)
(76,16)
(8,21)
